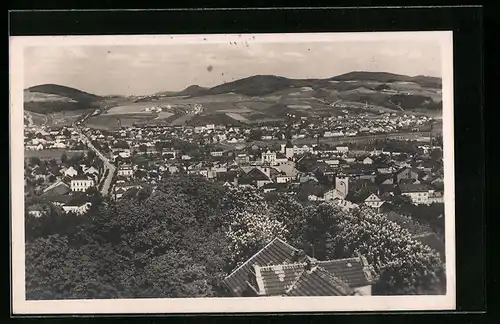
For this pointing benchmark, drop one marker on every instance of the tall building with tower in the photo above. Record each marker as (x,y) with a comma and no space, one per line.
(342,183)
(289,152)
(430,133)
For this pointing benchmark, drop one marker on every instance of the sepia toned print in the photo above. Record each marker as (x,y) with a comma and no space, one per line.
(218,173)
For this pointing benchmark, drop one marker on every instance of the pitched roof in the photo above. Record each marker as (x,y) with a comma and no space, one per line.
(60,198)
(276,252)
(360,194)
(412,187)
(280,269)
(319,282)
(81,177)
(351,271)
(255,174)
(78,201)
(277,279)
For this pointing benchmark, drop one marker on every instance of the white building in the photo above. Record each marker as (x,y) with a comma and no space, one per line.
(283,179)
(125,171)
(81,183)
(373,201)
(217,153)
(71,172)
(77,208)
(91,170)
(269,157)
(418,193)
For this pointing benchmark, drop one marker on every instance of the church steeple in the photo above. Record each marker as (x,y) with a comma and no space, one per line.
(289,152)
(342,183)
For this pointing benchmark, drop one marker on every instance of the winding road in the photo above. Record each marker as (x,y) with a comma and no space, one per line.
(107,163)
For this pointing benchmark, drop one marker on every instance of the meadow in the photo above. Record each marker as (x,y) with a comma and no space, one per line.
(51,154)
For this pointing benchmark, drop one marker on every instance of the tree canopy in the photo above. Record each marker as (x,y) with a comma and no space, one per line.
(183,238)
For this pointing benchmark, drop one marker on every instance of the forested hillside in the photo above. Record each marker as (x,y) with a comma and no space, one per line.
(182,239)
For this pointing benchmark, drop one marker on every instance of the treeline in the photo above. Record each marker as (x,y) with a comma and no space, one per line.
(182,239)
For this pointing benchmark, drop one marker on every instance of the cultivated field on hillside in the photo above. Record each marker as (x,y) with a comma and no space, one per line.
(271,98)
(51,154)
(130,108)
(66,118)
(108,122)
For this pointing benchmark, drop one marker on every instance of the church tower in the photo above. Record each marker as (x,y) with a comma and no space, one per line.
(342,183)
(289,150)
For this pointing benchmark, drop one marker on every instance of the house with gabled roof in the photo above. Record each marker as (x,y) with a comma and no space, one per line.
(406,173)
(60,187)
(255,177)
(280,269)
(418,193)
(78,205)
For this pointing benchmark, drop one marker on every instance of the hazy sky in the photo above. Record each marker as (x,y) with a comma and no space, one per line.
(148,69)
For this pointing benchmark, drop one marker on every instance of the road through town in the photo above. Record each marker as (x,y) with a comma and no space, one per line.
(107,164)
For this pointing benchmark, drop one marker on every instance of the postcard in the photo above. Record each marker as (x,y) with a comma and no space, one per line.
(225,173)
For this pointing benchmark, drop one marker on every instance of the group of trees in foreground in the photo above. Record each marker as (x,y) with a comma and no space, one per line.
(182,239)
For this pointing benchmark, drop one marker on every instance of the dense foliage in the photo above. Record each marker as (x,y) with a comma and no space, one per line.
(183,238)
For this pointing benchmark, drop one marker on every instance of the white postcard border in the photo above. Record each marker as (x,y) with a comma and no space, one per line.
(221,305)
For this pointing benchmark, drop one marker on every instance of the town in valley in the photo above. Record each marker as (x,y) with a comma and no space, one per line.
(261,186)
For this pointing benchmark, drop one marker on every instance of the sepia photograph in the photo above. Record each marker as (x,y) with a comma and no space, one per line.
(232,173)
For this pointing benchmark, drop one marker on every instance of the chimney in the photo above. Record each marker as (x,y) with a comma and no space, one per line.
(308,265)
(258,278)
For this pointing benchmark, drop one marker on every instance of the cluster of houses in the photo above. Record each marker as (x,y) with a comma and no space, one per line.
(344,125)
(337,126)
(69,190)
(354,177)
(61,138)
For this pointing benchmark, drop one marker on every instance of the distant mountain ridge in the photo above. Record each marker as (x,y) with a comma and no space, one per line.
(259,85)
(47,98)
(386,77)
(64,91)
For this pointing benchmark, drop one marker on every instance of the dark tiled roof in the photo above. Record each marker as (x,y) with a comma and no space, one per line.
(276,252)
(81,177)
(60,198)
(277,279)
(255,175)
(350,270)
(60,188)
(273,185)
(411,187)
(78,200)
(319,282)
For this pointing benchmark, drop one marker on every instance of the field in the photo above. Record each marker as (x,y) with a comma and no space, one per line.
(66,118)
(236,116)
(55,119)
(33,119)
(183,119)
(106,122)
(128,108)
(164,115)
(51,154)
(300,100)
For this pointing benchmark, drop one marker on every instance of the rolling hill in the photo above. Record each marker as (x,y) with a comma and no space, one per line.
(261,85)
(385,77)
(373,88)
(48,98)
